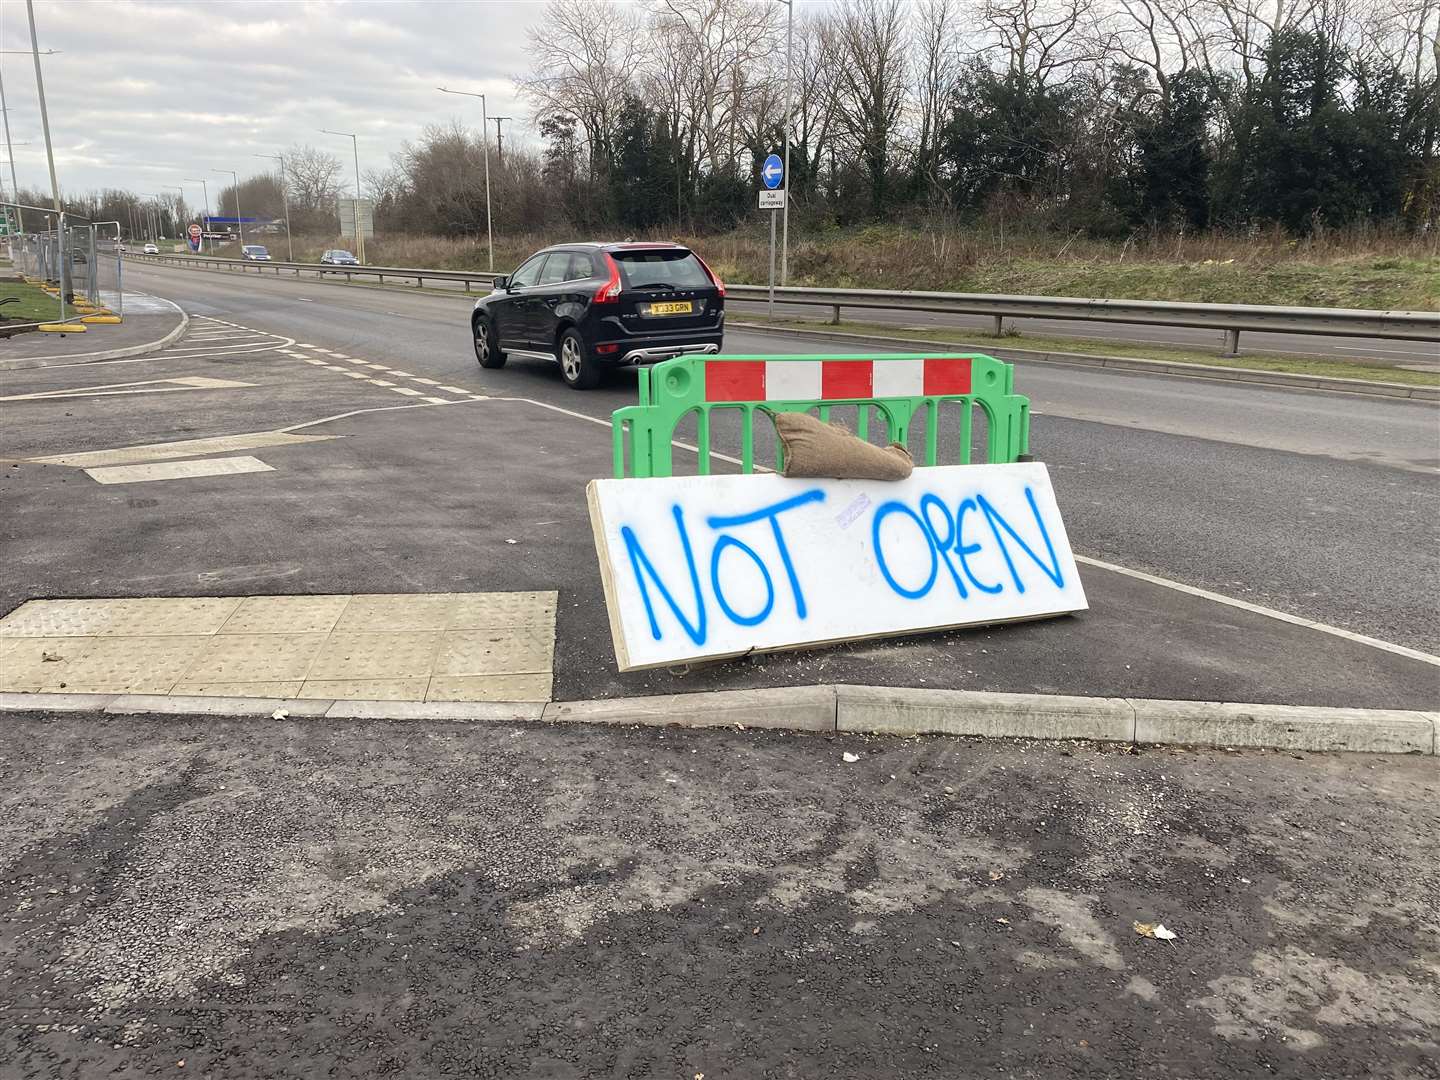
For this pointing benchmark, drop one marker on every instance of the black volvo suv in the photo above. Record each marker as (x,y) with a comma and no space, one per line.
(593,306)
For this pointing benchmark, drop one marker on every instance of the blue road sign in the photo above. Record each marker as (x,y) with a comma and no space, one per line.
(772,172)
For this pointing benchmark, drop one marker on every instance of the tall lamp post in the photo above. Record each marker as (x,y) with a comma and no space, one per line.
(66,289)
(485,141)
(285,201)
(235,187)
(359,232)
(785,210)
(204,214)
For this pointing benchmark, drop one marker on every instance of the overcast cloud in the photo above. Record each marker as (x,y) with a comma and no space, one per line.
(145,94)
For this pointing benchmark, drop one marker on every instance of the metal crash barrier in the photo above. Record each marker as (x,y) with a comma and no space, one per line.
(901,391)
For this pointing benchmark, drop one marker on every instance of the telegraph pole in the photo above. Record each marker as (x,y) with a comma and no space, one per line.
(499,138)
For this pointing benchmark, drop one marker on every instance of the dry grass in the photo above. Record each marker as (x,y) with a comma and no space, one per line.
(1360,267)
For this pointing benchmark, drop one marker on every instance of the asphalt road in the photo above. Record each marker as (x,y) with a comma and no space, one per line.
(271,900)
(1157,473)
(1291,504)
(1400,353)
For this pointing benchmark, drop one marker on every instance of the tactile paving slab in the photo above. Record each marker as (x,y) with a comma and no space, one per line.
(399,646)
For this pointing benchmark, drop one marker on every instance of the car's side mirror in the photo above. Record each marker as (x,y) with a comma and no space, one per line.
(501,281)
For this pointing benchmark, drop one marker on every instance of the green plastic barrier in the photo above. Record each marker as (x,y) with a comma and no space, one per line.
(896,388)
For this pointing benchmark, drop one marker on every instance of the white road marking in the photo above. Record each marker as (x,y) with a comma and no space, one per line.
(184,448)
(404,390)
(304,299)
(148,386)
(427,382)
(438,400)
(352,374)
(402,374)
(381,382)
(1280,616)
(177,470)
(454,389)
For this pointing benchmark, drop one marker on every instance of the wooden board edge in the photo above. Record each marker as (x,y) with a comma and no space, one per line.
(607,581)
(821,643)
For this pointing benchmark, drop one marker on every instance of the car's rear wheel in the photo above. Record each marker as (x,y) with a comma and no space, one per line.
(577,366)
(487,349)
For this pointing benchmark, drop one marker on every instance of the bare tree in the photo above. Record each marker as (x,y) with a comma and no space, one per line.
(312,178)
(1042,41)
(583,64)
(937,71)
(870,91)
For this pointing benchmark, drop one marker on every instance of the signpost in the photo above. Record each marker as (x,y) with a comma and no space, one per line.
(194,235)
(772,175)
(703,567)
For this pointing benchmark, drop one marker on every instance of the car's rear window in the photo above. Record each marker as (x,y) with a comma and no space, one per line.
(680,269)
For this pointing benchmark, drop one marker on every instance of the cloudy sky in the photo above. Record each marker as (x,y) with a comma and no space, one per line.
(145,93)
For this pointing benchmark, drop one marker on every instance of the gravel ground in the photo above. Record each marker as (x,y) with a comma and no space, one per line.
(277,899)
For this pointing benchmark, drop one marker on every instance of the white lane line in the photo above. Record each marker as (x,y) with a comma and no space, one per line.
(184,448)
(438,400)
(177,470)
(453,389)
(304,299)
(352,374)
(1271,613)
(402,374)
(148,386)
(381,382)
(1139,575)
(404,390)
(313,360)
(430,382)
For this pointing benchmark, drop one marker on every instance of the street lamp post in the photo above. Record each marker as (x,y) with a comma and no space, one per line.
(204,214)
(485,142)
(235,181)
(285,201)
(10,151)
(65,287)
(359,232)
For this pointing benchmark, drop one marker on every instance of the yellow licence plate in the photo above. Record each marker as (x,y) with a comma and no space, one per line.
(679,307)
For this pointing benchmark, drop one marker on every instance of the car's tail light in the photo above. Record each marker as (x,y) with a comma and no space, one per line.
(609,293)
(719,285)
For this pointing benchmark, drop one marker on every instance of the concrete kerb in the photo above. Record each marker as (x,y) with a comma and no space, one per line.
(1214,372)
(868,710)
(143,349)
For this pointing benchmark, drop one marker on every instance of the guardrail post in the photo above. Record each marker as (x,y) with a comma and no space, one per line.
(1232,343)
(382,278)
(419,282)
(998,330)
(834,314)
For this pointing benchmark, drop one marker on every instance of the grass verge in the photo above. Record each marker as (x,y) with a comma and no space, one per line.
(1290,364)
(35,305)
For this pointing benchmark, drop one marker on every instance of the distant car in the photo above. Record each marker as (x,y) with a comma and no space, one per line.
(339,258)
(255,253)
(151,249)
(596,306)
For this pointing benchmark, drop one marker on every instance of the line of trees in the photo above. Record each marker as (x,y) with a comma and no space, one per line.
(1094,115)
(1098,117)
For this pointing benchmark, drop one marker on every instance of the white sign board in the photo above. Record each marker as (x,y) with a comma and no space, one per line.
(700,567)
(772,200)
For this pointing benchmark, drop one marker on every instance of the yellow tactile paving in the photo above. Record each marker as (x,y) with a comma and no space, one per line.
(431,646)
(286,688)
(285,615)
(518,650)
(489,688)
(128,665)
(256,657)
(366,689)
(409,654)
